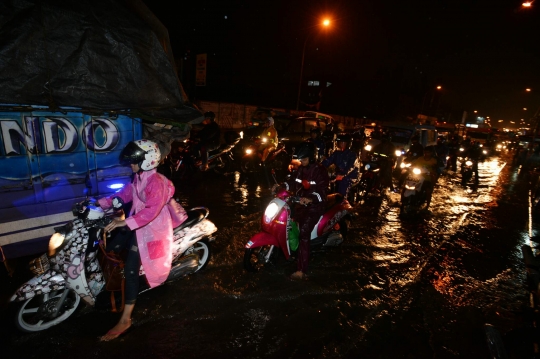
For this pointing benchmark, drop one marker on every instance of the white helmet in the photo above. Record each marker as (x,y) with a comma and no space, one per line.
(144,153)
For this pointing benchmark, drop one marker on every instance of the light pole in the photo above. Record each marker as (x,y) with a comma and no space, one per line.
(325,23)
(438,88)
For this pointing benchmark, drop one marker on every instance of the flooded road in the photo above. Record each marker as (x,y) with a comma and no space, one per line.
(395,288)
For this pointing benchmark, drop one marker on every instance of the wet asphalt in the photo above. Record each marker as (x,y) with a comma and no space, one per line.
(396,288)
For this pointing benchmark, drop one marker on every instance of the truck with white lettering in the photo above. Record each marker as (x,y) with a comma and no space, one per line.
(51,160)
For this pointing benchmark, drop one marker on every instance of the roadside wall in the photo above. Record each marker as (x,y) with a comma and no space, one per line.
(236,116)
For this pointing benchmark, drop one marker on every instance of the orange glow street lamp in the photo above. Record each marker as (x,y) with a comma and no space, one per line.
(325,23)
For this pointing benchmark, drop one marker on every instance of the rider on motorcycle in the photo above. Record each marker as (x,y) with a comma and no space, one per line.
(344,160)
(269,139)
(311,184)
(429,162)
(208,138)
(317,140)
(149,234)
(387,161)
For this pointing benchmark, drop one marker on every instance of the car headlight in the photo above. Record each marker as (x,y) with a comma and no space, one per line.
(368,148)
(416,171)
(398,153)
(270,212)
(249,151)
(461,149)
(468,163)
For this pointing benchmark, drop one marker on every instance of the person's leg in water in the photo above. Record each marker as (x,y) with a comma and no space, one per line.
(306,224)
(131,272)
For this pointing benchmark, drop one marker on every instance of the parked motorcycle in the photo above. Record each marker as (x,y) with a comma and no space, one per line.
(276,223)
(413,193)
(278,159)
(73,271)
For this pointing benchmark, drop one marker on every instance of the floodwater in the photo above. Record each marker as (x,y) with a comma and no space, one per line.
(396,288)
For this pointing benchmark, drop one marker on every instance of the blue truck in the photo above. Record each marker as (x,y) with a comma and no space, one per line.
(49,160)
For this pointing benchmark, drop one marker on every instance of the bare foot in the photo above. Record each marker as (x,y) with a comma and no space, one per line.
(116,331)
(299,275)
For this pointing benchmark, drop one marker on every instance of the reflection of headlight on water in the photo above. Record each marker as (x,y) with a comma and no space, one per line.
(270,212)
(241,134)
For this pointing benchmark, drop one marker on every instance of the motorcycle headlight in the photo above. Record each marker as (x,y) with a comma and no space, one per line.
(367,167)
(398,153)
(461,149)
(468,163)
(249,151)
(56,241)
(241,134)
(270,212)
(484,152)
(264,139)
(404,165)
(416,171)
(368,148)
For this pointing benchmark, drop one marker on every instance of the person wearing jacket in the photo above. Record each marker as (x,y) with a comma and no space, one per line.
(311,184)
(345,161)
(208,138)
(269,138)
(316,138)
(149,233)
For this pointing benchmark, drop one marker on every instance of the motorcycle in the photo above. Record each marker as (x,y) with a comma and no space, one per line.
(413,193)
(184,161)
(72,272)
(467,172)
(278,159)
(276,223)
(370,180)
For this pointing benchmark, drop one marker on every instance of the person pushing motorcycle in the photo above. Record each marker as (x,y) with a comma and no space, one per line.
(345,161)
(429,162)
(149,237)
(311,184)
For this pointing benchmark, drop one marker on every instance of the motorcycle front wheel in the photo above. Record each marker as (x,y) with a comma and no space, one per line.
(36,314)
(256,258)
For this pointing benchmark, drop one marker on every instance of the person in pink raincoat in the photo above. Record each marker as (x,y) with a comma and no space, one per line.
(149,238)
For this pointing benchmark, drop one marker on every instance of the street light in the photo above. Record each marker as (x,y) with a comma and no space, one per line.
(438,88)
(325,23)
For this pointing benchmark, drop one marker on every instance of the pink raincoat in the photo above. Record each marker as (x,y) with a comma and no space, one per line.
(150,218)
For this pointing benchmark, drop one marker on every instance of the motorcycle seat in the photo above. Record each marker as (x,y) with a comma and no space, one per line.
(193,216)
(333,199)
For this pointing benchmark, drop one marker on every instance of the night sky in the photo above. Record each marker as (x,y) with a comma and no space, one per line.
(382,58)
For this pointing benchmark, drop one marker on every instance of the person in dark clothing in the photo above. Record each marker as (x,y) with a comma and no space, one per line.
(416,149)
(316,139)
(208,138)
(388,151)
(329,136)
(358,139)
(453,152)
(311,184)
(345,161)
(475,154)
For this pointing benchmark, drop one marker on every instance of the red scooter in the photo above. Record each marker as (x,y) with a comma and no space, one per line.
(276,222)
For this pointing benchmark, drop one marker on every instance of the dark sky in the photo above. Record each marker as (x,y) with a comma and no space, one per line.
(383,58)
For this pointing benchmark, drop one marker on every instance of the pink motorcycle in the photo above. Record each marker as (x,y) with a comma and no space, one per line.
(276,223)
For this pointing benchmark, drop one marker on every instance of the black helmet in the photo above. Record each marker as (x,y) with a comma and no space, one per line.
(429,149)
(344,137)
(316,130)
(306,149)
(210,115)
